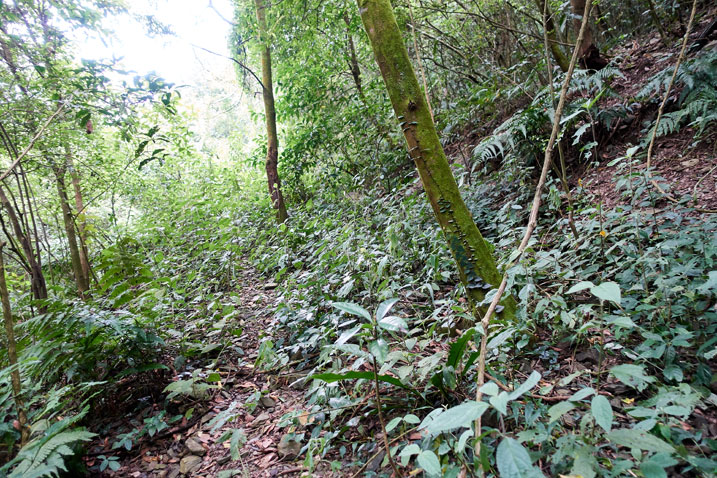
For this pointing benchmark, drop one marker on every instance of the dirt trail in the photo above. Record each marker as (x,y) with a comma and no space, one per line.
(193,447)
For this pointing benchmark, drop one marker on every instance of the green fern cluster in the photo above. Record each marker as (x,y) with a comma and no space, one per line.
(46,454)
(697,103)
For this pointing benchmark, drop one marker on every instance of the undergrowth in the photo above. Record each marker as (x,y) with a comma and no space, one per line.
(607,369)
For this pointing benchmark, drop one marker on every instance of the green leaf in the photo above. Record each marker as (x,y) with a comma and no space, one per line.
(639,439)
(580,286)
(490,388)
(458,347)
(393,424)
(429,462)
(499,339)
(585,463)
(582,393)
(352,309)
(347,335)
(602,412)
(632,375)
(673,372)
(559,409)
(513,461)
(379,349)
(237,441)
(411,419)
(393,324)
(384,307)
(410,450)
(621,321)
(355,375)
(500,402)
(531,382)
(462,415)
(710,284)
(609,291)
(652,470)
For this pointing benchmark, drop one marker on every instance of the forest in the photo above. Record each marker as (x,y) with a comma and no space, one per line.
(384,238)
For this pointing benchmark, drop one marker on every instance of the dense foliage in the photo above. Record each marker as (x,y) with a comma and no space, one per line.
(132,232)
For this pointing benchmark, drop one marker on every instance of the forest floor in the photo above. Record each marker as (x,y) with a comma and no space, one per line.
(193,447)
(255,401)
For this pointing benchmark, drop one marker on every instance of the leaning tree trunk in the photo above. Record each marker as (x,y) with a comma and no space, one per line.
(81,280)
(589,54)
(37,278)
(476,266)
(272,147)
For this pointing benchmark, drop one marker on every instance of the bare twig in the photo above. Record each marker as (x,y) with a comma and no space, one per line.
(563,179)
(533,221)
(12,354)
(211,5)
(680,58)
(386,444)
(241,65)
(420,63)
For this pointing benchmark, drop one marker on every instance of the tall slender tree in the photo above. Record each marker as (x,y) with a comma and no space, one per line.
(272,138)
(81,280)
(476,266)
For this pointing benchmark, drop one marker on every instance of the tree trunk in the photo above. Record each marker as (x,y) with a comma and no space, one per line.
(476,266)
(272,147)
(80,218)
(589,54)
(80,279)
(353,59)
(37,278)
(12,354)
(555,49)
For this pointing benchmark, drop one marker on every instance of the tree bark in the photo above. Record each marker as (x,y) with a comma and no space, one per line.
(12,354)
(476,266)
(37,278)
(80,218)
(589,54)
(555,49)
(81,281)
(353,59)
(272,147)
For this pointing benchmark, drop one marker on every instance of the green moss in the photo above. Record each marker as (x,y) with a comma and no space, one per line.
(472,255)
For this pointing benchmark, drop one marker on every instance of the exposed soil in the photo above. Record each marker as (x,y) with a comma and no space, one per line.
(683,166)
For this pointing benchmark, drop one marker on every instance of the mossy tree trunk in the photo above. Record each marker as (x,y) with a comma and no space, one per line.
(272,147)
(555,49)
(476,266)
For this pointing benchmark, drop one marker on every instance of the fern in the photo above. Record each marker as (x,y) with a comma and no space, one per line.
(698,100)
(45,456)
(592,81)
(670,123)
(223,417)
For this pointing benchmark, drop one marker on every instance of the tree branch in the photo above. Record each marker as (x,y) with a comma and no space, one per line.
(32,142)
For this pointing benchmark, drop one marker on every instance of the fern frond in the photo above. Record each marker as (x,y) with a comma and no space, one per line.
(58,444)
